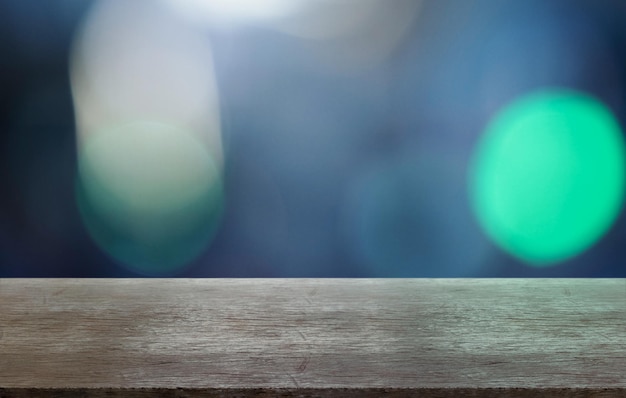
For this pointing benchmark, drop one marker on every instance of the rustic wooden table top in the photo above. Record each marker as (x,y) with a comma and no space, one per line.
(313,337)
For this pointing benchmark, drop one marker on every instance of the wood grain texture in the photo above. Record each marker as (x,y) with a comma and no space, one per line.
(313,337)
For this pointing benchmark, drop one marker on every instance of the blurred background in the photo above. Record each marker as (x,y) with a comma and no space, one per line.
(312,138)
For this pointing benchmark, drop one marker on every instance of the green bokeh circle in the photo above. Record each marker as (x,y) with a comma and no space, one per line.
(149,195)
(547,177)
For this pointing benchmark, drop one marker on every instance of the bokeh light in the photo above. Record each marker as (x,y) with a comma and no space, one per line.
(547,178)
(150,152)
(233,11)
(347,35)
(138,61)
(149,194)
(351,35)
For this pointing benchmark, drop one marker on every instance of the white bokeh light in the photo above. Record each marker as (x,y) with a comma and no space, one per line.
(149,186)
(138,61)
(233,11)
(345,33)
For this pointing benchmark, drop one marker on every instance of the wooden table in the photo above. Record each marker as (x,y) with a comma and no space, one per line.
(313,337)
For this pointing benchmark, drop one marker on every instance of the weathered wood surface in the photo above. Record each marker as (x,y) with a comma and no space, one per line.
(313,337)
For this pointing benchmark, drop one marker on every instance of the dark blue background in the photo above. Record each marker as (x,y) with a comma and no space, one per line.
(385,198)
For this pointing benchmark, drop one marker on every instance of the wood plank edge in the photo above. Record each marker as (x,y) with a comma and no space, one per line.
(502,392)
